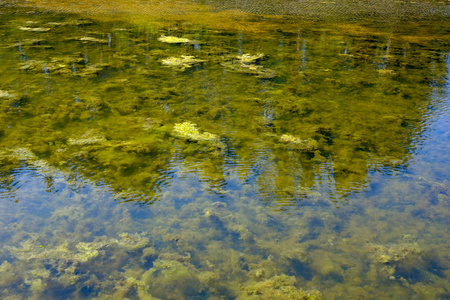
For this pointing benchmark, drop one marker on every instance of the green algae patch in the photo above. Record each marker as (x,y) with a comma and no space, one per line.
(247,64)
(34,29)
(278,287)
(88,138)
(175,40)
(63,66)
(88,251)
(132,242)
(8,95)
(89,39)
(7,274)
(190,132)
(395,253)
(169,275)
(292,142)
(181,63)
(249,59)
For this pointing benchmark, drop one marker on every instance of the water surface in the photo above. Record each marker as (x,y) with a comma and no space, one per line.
(259,157)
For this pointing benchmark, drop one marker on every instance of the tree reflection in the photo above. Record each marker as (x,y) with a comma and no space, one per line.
(361,101)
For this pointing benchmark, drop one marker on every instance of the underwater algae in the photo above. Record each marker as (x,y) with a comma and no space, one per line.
(221,249)
(181,63)
(124,178)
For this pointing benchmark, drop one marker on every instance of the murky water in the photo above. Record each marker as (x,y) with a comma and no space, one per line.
(249,158)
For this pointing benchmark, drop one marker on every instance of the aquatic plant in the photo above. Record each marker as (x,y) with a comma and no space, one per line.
(88,138)
(246,63)
(181,279)
(396,252)
(189,131)
(308,145)
(132,242)
(8,94)
(34,29)
(391,259)
(277,287)
(64,66)
(89,39)
(174,40)
(7,274)
(181,63)
(250,59)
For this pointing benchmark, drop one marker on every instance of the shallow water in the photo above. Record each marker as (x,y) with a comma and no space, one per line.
(270,158)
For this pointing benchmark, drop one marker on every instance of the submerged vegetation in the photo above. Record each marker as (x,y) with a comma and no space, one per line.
(181,63)
(175,40)
(189,131)
(232,248)
(182,161)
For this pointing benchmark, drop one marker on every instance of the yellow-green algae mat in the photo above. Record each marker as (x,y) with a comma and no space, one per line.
(255,157)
